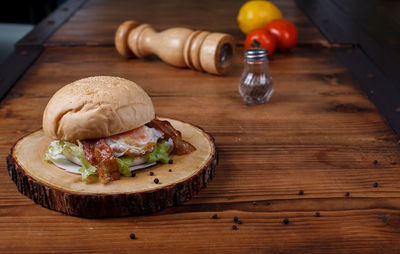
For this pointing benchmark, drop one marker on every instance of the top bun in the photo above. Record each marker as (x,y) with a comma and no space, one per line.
(96,107)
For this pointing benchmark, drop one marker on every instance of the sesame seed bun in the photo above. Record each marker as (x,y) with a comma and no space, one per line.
(96,107)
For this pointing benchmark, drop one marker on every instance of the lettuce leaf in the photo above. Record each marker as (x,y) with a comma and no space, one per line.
(55,148)
(88,171)
(159,153)
(123,165)
(71,150)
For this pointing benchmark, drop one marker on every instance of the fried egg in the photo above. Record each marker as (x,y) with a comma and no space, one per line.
(136,142)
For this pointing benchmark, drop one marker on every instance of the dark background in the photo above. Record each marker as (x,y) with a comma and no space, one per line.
(27,11)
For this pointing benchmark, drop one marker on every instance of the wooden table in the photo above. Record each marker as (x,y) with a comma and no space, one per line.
(319,134)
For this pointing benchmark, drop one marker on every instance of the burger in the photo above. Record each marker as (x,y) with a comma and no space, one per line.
(104,127)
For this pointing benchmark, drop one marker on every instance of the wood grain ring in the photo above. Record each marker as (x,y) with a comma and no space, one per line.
(114,204)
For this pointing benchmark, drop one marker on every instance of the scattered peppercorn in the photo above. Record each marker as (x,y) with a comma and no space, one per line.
(254,203)
(317,214)
(285,221)
(133,174)
(239,222)
(214,216)
(347,194)
(268,203)
(234,227)
(301,192)
(376,184)
(169,170)
(171,161)
(156,180)
(132,236)
(151,173)
(235,219)
(375,162)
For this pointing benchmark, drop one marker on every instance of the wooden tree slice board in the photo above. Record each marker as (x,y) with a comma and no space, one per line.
(57,189)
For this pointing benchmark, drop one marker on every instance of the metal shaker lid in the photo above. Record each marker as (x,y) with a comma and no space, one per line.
(255,53)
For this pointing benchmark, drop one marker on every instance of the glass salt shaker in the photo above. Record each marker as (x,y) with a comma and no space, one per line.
(256,86)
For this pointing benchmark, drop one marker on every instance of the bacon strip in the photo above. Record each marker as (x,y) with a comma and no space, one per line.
(100,155)
(180,146)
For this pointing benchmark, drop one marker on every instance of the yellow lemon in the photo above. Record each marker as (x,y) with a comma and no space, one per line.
(257,14)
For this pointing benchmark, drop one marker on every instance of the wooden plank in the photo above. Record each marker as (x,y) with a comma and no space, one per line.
(318,134)
(379,88)
(96,22)
(260,232)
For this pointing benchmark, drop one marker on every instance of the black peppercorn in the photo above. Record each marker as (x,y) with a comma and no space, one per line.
(235,219)
(376,184)
(234,227)
(132,236)
(156,180)
(239,222)
(254,203)
(317,214)
(347,194)
(133,174)
(151,173)
(170,161)
(285,221)
(268,203)
(375,162)
(169,170)
(214,216)
(301,192)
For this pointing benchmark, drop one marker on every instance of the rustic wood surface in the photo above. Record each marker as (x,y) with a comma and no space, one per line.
(318,134)
(97,20)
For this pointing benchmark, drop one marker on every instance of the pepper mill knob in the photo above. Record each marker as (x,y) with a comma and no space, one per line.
(181,47)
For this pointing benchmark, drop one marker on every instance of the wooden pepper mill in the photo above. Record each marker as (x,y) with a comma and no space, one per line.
(181,47)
